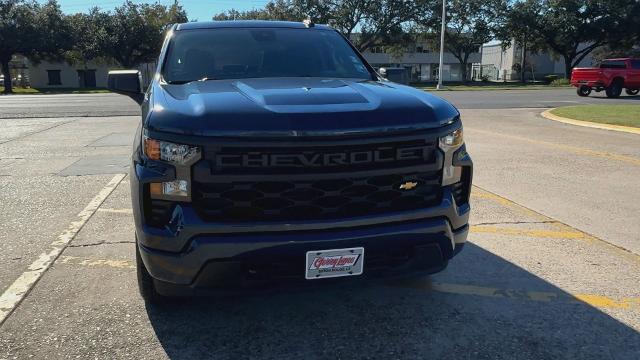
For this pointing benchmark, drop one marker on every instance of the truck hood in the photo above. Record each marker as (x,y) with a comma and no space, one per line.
(292,106)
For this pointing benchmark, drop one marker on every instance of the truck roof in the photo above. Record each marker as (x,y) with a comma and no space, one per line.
(247,24)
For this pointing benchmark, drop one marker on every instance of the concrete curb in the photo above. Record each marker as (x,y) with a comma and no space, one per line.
(548,115)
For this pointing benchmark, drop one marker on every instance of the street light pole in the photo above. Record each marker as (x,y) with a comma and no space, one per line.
(444,13)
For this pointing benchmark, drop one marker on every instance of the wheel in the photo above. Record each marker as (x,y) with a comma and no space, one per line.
(632,92)
(615,89)
(584,90)
(145,282)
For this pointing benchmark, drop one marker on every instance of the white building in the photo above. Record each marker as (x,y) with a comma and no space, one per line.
(63,75)
(499,64)
(422,63)
(51,75)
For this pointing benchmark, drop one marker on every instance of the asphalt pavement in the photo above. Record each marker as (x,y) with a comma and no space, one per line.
(551,270)
(66,105)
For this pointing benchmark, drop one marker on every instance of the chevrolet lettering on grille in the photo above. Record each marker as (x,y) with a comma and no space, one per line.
(319,159)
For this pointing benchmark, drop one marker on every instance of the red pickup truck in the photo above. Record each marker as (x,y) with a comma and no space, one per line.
(612,76)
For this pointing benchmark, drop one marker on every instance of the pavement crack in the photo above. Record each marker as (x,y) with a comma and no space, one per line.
(516,222)
(101,243)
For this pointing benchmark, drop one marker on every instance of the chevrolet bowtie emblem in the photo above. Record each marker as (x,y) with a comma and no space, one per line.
(408,185)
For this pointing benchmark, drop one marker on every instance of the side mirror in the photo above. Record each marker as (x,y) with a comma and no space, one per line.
(126,82)
(383,72)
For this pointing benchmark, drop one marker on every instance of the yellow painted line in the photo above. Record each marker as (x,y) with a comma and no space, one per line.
(598,301)
(478,193)
(116,211)
(19,289)
(568,148)
(556,234)
(627,129)
(564,230)
(90,262)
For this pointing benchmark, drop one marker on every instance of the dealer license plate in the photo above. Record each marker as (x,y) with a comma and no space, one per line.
(322,264)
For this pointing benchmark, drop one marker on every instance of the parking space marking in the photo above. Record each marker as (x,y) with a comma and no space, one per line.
(91,262)
(568,148)
(117,211)
(556,234)
(598,301)
(558,224)
(17,291)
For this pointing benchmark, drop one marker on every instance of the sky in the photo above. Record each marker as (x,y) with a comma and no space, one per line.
(196,9)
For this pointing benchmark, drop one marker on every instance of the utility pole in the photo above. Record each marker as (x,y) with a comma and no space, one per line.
(444,14)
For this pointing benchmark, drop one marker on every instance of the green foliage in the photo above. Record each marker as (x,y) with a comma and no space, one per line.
(564,26)
(379,22)
(550,78)
(134,32)
(469,24)
(32,29)
(560,82)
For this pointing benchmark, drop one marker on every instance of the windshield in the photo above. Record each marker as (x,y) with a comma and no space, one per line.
(234,53)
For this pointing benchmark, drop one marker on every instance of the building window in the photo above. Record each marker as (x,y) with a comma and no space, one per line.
(54,77)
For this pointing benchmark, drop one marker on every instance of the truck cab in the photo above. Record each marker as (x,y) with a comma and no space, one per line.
(272,154)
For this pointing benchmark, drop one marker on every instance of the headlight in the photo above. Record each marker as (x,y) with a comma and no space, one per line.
(449,144)
(453,139)
(167,151)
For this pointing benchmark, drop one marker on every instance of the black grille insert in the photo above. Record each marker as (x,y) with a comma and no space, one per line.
(244,201)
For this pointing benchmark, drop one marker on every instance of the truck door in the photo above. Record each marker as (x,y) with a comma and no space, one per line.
(633,74)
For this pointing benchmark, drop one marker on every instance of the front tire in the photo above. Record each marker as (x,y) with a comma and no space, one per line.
(583,90)
(614,89)
(145,282)
(632,92)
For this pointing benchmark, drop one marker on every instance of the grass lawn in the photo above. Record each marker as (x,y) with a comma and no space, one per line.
(20,90)
(481,86)
(626,115)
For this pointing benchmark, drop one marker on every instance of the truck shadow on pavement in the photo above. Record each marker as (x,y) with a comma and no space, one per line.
(482,306)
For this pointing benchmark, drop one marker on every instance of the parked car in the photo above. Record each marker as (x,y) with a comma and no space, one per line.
(272,153)
(612,76)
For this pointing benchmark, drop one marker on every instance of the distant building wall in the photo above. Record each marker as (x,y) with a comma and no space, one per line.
(91,74)
(501,64)
(423,66)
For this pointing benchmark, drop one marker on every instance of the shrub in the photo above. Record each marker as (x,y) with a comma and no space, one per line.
(560,82)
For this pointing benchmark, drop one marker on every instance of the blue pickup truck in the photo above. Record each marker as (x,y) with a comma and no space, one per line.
(272,154)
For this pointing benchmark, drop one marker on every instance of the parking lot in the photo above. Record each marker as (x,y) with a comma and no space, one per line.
(551,269)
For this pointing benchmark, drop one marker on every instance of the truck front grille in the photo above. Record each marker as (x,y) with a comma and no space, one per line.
(318,192)
(315,200)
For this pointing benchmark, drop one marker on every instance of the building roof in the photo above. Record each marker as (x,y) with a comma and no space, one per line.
(247,24)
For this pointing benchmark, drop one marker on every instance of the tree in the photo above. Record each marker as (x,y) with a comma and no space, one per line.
(89,36)
(572,29)
(469,24)
(378,21)
(516,30)
(134,32)
(31,29)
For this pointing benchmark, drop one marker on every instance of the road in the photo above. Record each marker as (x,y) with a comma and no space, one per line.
(552,268)
(64,105)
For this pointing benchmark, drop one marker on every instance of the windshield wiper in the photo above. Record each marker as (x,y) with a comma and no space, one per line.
(182,82)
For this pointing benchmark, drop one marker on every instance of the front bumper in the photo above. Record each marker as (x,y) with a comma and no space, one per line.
(189,253)
(217,256)
(590,83)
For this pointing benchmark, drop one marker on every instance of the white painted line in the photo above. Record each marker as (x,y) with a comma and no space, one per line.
(12,297)
(116,211)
